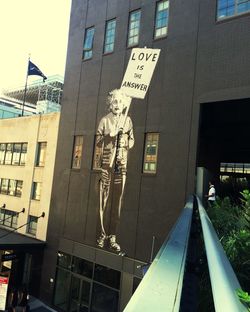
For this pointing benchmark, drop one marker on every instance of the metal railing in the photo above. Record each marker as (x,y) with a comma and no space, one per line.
(223,279)
(161,287)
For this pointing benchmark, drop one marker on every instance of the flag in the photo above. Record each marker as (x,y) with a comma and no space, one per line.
(34,70)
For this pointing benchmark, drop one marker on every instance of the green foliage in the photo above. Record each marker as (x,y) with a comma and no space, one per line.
(232,224)
(244,297)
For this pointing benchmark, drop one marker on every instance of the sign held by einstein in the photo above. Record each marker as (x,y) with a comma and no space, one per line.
(139,72)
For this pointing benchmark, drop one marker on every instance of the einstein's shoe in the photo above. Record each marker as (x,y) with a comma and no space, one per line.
(101,241)
(113,244)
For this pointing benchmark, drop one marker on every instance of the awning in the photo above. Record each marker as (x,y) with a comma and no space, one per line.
(18,241)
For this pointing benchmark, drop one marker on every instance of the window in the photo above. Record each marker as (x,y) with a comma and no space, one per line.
(77,152)
(161,19)
(109,41)
(88,43)
(107,276)
(11,187)
(84,284)
(19,187)
(134,28)
(41,153)
(104,297)
(97,157)
(8,218)
(16,153)
(8,155)
(150,153)
(227,8)
(82,267)
(62,287)
(13,153)
(32,225)
(36,194)
(2,153)
(4,186)
(23,154)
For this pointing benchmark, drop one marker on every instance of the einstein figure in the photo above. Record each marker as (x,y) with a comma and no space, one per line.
(114,137)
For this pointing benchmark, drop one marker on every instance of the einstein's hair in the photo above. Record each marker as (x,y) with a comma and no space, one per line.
(117,93)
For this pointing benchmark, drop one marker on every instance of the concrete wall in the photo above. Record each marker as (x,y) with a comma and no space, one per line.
(33,129)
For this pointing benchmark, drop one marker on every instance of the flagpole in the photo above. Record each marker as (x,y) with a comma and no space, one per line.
(25,89)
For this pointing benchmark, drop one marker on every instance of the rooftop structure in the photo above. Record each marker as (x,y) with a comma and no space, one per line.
(38,90)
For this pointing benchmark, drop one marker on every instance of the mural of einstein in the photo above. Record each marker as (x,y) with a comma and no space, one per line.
(115,138)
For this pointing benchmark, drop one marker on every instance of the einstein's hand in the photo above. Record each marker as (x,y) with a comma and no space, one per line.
(113,133)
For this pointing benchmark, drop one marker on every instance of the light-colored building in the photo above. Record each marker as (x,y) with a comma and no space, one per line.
(27,158)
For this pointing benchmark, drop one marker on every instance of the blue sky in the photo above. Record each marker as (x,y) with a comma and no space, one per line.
(35,27)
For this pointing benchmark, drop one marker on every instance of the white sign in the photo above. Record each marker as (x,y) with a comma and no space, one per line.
(3,292)
(139,72)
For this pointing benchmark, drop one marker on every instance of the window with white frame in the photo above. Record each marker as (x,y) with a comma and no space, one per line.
(227,8)
(109,41)
(88,43)
(134,28)
(161,19)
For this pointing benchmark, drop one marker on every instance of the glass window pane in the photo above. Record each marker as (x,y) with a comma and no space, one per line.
(134,28)
(4,186)
(2,153)
(8,155)
(14,221)
(83,267)
(7,218)
(12,187)
(32,225)
(19,188)
(88,43)
(104,299)
(109,36)
(1,215)
(36,194)
(64,260)
(228,8)
(16,153)
(161,19)
(62,289)
(85,293)
(41,153)
(74,293)
(23,153)
(107,276)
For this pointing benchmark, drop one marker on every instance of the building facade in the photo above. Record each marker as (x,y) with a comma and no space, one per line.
(27,158)
(113,204)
